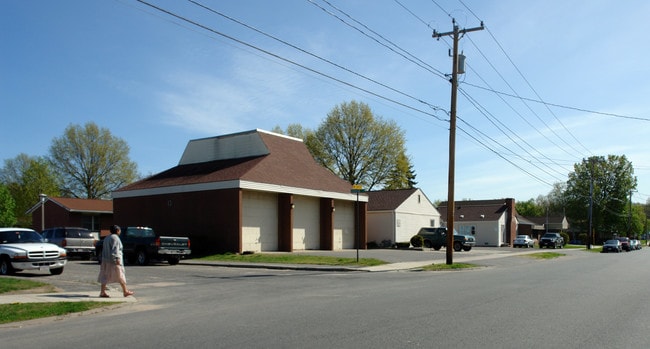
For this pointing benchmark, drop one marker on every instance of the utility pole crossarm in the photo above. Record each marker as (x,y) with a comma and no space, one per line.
(437,35)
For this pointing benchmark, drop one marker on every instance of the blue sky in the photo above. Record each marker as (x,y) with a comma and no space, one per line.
(158,81)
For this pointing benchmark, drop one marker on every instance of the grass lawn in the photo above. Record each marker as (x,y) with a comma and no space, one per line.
(28,311)
(14,285)
(292,259)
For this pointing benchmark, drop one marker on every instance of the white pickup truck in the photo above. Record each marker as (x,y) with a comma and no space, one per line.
(24,249)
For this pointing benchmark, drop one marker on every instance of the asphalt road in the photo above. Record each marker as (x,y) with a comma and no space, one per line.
(581,300)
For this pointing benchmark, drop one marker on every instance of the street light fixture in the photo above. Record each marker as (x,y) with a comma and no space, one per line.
(43,198)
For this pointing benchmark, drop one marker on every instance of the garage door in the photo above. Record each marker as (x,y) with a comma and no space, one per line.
(344,225)
(259,221)
(306,223)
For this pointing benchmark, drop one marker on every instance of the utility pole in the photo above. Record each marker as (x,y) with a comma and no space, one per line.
(455,34)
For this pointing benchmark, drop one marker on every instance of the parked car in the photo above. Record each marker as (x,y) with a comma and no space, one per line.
(523,241)
(436,238)
(634,244)
(25,249)
(77,241)
(554,240)
(612,245)
(625,243)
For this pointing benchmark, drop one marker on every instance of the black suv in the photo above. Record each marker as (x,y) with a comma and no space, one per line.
(549,240)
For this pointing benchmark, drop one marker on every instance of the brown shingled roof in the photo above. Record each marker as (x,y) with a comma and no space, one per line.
(288,163)
(387,200)
(84,205)
(473,209)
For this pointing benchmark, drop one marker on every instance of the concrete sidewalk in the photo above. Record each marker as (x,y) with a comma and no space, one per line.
(63,297)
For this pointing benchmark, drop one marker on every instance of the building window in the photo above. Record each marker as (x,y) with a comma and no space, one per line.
(432,223)
(398,223)
(92,223)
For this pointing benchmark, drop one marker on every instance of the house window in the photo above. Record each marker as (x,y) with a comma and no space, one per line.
(398,223)
(418,198)
(91,223)
(432,223)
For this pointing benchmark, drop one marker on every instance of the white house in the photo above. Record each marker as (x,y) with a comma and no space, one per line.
(491,222)
(397,215)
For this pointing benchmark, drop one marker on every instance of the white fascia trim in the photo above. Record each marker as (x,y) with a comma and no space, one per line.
(274,188)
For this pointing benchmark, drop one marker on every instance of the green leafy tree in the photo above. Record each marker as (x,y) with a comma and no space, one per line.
(637,220)
(530,208)
(356,145)
(295,130)
(612,178)
(26,178)
(92,162)
(402,175)
(7,207)
(554,201)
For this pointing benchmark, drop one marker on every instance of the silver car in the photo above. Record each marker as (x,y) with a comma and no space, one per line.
(523,241)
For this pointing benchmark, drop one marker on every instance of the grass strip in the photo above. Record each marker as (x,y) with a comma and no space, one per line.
(543,255)
(453,266)
(29,311)
(292,259)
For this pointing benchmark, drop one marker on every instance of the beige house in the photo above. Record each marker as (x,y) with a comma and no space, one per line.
(396,215)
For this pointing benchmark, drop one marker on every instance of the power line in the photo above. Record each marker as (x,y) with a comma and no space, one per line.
(315,56)
(412,58)
(241,42)
(584,110)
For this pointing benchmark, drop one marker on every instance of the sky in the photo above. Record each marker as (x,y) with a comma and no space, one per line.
(546,84)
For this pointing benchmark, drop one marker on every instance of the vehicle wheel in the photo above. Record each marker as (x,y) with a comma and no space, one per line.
(56,271)
(5,267)
(427,243)
(437,247)
(173,260)
(457,246)
(142,258)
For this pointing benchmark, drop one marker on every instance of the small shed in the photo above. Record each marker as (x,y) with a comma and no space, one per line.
(396,215)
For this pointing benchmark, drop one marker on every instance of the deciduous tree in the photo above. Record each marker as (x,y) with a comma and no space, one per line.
(612,178)
(7,207)
(92,162)
(357,145)
(27,177)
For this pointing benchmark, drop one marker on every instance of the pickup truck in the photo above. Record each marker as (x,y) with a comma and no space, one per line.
(549,240)
(141,244)
(25,249)
(436,238)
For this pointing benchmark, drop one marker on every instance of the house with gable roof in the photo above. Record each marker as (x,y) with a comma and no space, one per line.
(397,215)
(248,191)
(491,222)
(93,214)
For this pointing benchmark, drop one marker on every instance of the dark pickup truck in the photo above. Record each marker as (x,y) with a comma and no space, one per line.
(142,244)
(436,238)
